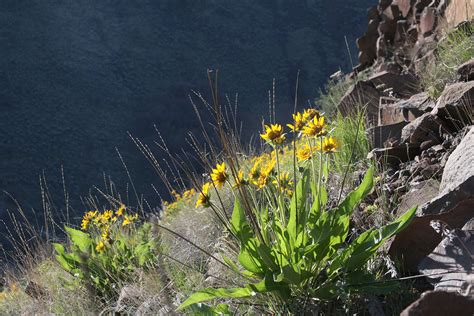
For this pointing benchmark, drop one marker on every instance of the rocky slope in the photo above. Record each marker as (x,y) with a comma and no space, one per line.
(424,142)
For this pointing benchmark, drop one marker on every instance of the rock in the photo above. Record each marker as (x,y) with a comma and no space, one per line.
(427,21)
(469,225)
(403,85)
(395,155)
(456,104)
(153,306)
(428,144)
(466,70)
(425,127)
(439,303)
(421,4)
(449,266)
(419,194)
(460,165)
(431,170)
(379,135)
(362,95)
(404,110)
(130,297)
(404,6)
(418,240)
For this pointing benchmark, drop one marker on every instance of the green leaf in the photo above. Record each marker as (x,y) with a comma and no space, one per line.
(347,206)
(209,294)
(250,262)
(297,207)
(361,249)
(80,239)
(239,224)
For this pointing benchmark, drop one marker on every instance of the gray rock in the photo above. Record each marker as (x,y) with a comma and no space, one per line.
(418,240)
(395,155)
(419,194)
(439,303)
(404,85)
(450,266)
(426,127)
(379,135)
(456,104)
(130,298)
(405,110)
(460,165)
(466,70)
(362,95)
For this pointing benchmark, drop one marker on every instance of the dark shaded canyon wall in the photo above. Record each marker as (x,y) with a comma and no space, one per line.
(75,76)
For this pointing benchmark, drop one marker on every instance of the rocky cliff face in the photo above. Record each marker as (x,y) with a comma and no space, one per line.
(424,141)
(76,76)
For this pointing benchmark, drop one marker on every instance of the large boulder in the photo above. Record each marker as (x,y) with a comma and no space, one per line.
(380,135)
(362,95)
(460,165)
(466,70)
(456,104)
(439,303)
(450,266)
(425,127)
(402,85)
(396,154)
(454,206)
(405,110)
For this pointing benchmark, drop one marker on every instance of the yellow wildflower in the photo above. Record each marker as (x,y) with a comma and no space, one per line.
(100,246)
(129,219)
(176,195)
(240,180)
(204,198)
(219,175)
(105,233)
(108,214)
(330,144)
(189,193)
(273,133)
(315,127)
(298,122)
(284,183)
(120,210)
(309,114)
(304,153)
(87,218)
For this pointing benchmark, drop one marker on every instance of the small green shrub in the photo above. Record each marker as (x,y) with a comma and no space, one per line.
(109,252)
(454,49)
(292,246)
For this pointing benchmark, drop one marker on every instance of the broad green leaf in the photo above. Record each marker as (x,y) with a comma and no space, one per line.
(297,207)
(345,209)
(268,284)
(250,262)
(361,281)
(209,294)
(80,239)
(361,249)
(239,223)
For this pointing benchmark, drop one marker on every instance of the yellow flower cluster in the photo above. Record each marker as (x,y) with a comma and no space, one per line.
(284,183)
(204,198)
(309,123)
(186,195)
(102,222)
(263,167)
